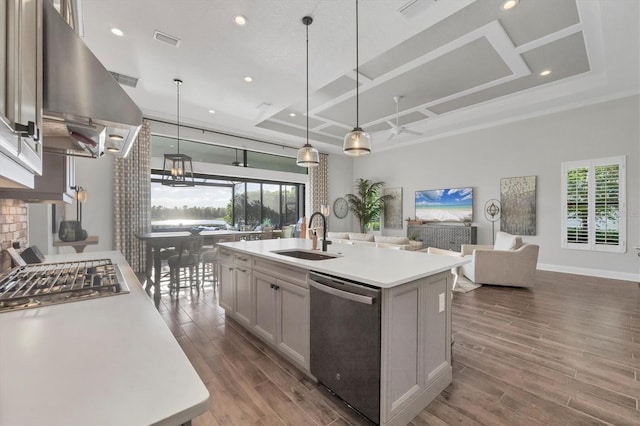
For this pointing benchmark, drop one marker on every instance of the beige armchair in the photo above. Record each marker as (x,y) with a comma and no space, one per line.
(511,267)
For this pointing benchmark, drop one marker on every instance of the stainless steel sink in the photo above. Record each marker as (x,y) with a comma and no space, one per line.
(305,254)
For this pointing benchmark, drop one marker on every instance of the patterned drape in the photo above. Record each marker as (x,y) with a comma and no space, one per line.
(319,188)
(132,199)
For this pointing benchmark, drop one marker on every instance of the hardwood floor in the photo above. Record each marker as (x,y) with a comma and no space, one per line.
(566,352)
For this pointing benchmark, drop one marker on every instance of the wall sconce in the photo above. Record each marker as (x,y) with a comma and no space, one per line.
(81,197)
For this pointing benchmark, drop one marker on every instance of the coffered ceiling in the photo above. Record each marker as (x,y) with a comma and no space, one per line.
(455,64)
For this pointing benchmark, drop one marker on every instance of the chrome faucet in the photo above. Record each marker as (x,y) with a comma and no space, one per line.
(325,243)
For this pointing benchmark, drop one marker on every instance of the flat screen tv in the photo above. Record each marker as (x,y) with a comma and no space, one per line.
(445,205)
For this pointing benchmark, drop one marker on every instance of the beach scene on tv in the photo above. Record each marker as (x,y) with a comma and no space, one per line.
(445,205)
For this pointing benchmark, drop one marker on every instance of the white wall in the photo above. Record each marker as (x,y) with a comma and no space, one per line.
(40,229)
(535,146)
(340,183)
(96,176)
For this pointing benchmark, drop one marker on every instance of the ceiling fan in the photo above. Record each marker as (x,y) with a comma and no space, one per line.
(397,129)
(239,163)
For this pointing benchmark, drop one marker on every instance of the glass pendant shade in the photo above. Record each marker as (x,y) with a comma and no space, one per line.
(308,156)
(357,143)
(178,168)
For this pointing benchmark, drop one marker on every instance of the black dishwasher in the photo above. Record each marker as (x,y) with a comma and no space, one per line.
(345,340)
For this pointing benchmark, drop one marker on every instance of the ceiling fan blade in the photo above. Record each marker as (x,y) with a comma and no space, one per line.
(412,132)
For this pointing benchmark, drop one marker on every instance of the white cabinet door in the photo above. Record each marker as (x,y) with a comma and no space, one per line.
(293,321)
(227,288)
(244,295)
(4,13)
(265,306)
(21,87)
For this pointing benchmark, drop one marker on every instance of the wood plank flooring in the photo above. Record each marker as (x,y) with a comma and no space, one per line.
(566,352)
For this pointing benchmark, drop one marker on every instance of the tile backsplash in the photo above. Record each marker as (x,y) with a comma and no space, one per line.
(13,227)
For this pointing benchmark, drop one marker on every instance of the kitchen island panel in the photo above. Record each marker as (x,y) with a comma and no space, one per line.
(416,340)
(404,331)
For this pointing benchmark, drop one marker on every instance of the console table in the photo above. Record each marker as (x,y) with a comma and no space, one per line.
(77,245)
(448,237)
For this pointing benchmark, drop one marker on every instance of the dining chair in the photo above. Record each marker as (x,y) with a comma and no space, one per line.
(188,257)
(287,231)
(210,263)
(267,233)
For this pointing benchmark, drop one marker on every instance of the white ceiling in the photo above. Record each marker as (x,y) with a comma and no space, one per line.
(458,64)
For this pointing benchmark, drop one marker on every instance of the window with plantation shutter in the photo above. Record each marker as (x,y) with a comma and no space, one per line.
(593,205)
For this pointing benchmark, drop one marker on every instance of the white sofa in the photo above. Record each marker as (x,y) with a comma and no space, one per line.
(355,238)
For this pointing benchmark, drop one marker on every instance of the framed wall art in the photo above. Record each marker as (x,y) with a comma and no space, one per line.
(518,203)
(393,208)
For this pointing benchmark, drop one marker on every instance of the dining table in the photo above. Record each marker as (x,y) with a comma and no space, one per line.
(156,241)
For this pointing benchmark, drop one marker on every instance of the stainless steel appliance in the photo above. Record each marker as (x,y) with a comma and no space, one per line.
(31,286)
(345,340)
(85,110)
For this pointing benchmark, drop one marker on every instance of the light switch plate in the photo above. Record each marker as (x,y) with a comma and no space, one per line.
(441,302)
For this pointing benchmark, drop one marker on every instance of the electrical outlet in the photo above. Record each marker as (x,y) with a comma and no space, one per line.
(441,302)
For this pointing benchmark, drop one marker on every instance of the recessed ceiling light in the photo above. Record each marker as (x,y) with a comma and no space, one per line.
(117,31)
(545,73)
(240,20)
(115,137)
(509,4)
(113,149)
(248,79)
(212,111)
(292,114)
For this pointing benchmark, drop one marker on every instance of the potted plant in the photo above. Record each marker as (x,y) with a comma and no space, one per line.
(367,204)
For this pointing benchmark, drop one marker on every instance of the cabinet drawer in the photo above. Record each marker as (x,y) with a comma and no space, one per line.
(290,273)
(241,259)
(225,255)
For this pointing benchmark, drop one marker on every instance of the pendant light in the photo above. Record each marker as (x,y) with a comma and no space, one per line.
(307,155)
(357,142)
(178,168)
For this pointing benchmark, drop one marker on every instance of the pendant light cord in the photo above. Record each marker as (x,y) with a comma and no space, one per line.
(307,25)
(357,73)
(178,108)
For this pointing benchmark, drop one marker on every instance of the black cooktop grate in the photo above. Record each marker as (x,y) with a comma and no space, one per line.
(50,283)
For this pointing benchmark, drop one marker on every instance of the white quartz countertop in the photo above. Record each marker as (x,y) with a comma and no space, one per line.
(380,267)
(106,361)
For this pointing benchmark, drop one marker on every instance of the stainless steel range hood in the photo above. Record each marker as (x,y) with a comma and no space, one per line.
(85,111)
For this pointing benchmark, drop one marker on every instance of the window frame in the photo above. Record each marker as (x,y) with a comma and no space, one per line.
(591,165)
(203,179)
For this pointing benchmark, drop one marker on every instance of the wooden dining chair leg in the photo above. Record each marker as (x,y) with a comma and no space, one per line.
(173,279)
(198,277)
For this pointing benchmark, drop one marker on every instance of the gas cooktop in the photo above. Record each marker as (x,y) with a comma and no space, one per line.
(36,285)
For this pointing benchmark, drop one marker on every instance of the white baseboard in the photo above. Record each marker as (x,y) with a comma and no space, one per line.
(601,273)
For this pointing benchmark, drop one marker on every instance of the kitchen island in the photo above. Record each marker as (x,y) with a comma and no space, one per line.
(108,361)
(269,293)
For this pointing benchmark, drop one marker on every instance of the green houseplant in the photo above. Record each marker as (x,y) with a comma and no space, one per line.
(367,204)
